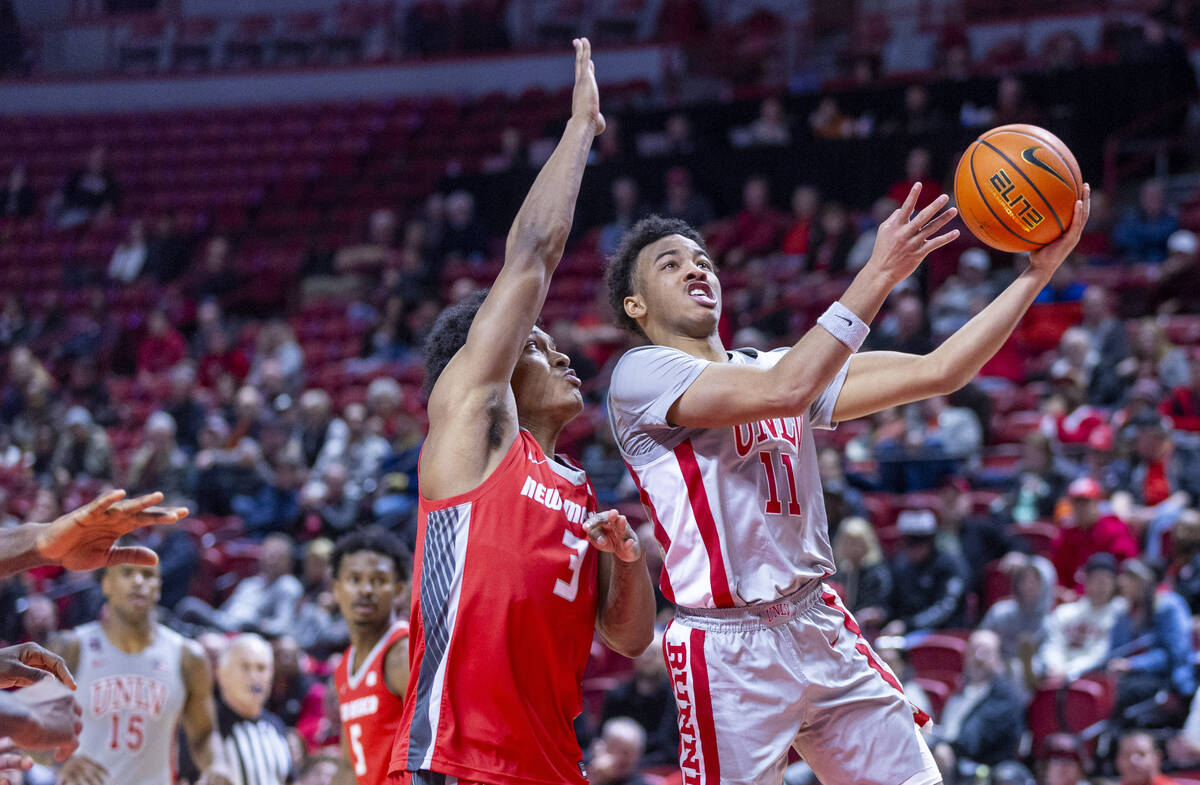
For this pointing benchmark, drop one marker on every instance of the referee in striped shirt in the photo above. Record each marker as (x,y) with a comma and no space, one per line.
(256,747)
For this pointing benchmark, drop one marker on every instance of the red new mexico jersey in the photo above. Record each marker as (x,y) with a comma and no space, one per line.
(370,712)
(504,609)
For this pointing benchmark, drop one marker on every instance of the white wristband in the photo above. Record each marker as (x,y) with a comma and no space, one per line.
(843,324)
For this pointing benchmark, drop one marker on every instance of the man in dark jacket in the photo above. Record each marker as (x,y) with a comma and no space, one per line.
(929,585)
(984,720)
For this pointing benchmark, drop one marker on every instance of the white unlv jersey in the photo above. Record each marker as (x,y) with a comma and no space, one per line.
(737,510)
(131,705)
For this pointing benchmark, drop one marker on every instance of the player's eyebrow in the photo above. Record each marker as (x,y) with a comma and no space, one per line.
(664,253)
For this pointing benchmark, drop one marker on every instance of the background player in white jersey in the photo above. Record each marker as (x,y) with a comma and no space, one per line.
(762,655)
(138,681)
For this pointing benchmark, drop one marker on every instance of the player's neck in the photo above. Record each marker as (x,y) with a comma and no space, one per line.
(363,638)
(544,430)
(127,636)
(707,348)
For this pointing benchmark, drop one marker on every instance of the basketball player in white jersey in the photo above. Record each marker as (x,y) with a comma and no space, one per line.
(762,655)
(138,681)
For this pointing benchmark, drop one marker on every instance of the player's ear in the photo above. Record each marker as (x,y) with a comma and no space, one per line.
(635,306)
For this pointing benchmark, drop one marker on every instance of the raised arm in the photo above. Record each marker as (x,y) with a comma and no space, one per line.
(879,380)
(472,413)
(726,394)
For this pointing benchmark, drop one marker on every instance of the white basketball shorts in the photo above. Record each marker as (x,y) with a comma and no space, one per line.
(752,681)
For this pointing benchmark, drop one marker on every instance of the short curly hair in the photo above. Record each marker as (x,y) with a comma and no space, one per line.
(375,540)
(448,335)
(622,265)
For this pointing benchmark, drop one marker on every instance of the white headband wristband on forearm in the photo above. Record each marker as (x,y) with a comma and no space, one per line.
(843,324)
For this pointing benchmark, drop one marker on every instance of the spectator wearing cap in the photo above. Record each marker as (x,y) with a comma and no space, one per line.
(1077,633)
(83,449)
(1110,342)
(1139,761)
(928,585)
(1178,290)
(1141,234)
(1088,531)
(683,201)
(1183,403)
(1150,648)
(963,294)
(983,721)
(1065,760)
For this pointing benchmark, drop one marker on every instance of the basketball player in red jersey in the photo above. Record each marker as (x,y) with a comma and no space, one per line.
(514,571)
(370,569)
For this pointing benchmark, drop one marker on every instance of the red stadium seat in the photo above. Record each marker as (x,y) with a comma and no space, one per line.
(937,653)
(938,691)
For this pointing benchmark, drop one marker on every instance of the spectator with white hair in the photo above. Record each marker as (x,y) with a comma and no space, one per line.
(1178,290)
(317,425)
(265,602)
(158,464)
(617,753)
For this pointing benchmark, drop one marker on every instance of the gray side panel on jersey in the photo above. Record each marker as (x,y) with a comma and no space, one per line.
(441,582)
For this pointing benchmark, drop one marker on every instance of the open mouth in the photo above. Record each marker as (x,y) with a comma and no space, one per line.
(702,293)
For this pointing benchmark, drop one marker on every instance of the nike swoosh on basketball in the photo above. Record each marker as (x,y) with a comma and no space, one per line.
(1029,155)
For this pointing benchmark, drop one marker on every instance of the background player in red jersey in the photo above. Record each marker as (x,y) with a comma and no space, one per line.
(509,585)
(370,569)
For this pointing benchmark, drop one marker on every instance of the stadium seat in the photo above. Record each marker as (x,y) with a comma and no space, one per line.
(937,653)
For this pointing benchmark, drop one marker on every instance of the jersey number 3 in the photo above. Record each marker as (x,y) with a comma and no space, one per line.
(568,590)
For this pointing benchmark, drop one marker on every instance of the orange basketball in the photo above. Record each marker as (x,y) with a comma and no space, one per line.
(1016,187)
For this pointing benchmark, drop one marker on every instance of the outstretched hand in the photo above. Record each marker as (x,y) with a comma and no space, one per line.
(610,532)
(904,239)
(85,539)
(1049,257)
(12,759)
(585,101)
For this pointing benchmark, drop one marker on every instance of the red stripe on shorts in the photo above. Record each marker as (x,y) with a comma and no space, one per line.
(660,534)
(920,717)
(703,709)
(698,497)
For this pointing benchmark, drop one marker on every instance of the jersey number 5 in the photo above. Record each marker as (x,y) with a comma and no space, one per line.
(356,749)
(564,589)
(134,735)
(773,505)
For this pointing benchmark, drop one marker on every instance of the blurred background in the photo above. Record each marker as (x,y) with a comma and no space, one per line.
(225,228)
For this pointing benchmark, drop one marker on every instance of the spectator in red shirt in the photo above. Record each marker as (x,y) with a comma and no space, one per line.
(1068,419)
(162,347)
(916,170)
(1183,404)
(806,202)
(754,231)
(1087,532)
